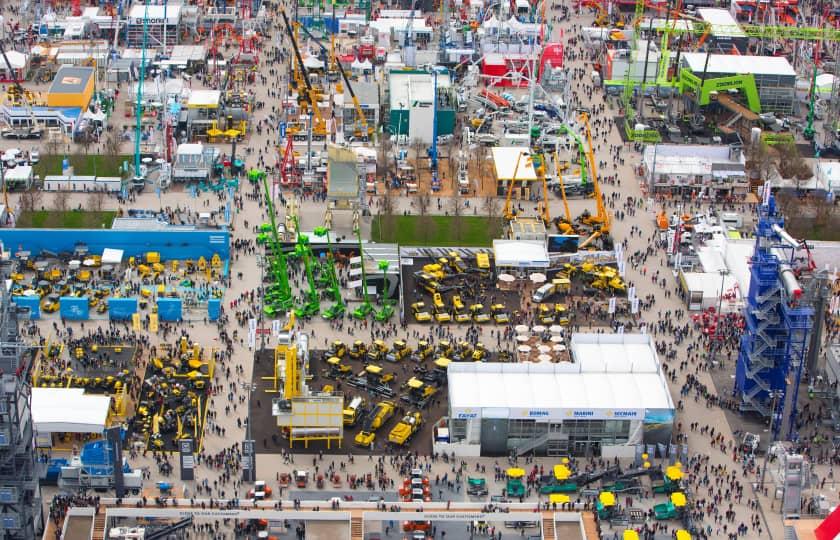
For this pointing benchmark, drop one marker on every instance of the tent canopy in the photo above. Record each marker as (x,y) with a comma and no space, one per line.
(68,410)
(520,254)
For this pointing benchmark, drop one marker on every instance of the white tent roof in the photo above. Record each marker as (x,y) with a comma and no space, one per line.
(112,256)
(610,372)
(16,59)
(68,410)
(520,253)
(505,160)
(310,62)
(19,173)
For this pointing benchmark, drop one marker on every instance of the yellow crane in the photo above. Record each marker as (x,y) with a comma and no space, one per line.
(307,98)
(601,219)
(563,225)
(537,160)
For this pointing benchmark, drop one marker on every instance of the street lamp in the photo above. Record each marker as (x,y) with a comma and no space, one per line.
(713,347)
(775,396)
(249,454)
(261,265)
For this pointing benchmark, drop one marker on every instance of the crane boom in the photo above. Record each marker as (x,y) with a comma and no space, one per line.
(602,217)
(362,120)
(319,126)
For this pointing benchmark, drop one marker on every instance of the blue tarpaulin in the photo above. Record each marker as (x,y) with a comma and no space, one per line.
(33,303)
(214,309)
(121,309)
(169,309)
(73,308)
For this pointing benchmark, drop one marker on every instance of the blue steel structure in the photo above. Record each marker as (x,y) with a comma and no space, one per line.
(778,323)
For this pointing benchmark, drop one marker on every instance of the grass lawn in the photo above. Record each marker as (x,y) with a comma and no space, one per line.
(71,219)
(83,165)
(436,230)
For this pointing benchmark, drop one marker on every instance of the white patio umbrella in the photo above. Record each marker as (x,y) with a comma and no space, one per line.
(507,278)
(555,329)
(522,338)
(544,358)
(557,339)
(544,349)
(538,277)
(521,328)
(539,329)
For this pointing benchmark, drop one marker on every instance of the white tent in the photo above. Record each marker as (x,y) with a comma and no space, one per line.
(68,410)
(112,256)
(311,62)
(16,59)
(520,254)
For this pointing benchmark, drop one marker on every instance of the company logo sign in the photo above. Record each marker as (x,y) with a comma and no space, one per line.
(466,415)
(625,414)
(538,414)
(583,414)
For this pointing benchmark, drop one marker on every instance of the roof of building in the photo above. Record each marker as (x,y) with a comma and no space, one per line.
(68,410)
(736,65)
(723,23)
(155,13)
(407,87)
(689,159)
(366,92)
(608,372)
(71,80)
(520,253)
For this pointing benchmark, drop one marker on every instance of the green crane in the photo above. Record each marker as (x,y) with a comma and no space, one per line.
(566,130)
(278,296)
(808,132)
(328,269)
(387,310)
(312,305)
(366,308)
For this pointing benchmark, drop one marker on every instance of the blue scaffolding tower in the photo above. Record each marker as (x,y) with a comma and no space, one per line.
(778,323)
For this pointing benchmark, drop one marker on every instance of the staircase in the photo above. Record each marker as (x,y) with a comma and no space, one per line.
(548,527)
(99,526)
(732,120)
(357,529)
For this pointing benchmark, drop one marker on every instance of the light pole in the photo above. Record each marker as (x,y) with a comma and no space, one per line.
(249,454)
(775,395)
(713,346)
(261,265)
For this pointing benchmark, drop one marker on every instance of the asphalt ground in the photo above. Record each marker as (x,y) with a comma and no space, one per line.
(268,435)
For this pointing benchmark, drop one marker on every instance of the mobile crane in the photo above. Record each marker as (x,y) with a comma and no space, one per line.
(563,225)
(600,222)
(537,160)
(363,129)
(309,98)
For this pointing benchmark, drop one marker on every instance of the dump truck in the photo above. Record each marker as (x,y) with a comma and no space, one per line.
(406,428)
(353,411)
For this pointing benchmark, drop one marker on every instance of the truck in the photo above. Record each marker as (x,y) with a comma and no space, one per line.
(353,410)
(377,418)
(93,468)
(405,428)
(556,286)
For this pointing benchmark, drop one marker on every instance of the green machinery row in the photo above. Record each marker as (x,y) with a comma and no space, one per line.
(279,298)
(688,82)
